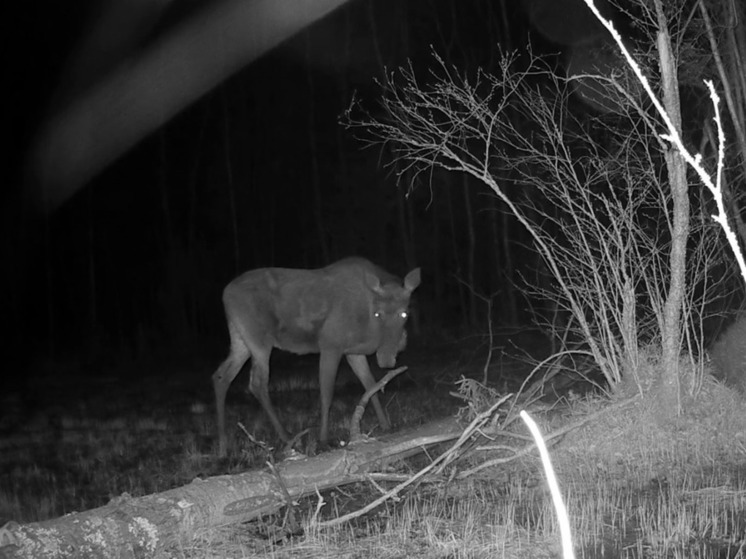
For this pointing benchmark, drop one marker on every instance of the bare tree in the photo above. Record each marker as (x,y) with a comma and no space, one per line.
(725,33)
(599,210)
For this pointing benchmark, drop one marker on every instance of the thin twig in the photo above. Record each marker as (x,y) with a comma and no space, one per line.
(288,450)
(488,302)
(552,436)
(290,519)
(672,135)
(357,415)
(442,460)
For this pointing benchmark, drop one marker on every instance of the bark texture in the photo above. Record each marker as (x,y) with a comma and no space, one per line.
(144,527)
(676,167)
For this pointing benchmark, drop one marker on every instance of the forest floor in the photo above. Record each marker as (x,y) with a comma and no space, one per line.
(635,485)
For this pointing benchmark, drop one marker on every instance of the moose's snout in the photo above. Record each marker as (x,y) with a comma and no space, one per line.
(386,360)
(390,348)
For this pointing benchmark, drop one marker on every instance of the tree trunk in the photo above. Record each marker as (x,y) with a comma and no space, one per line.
(313,156)
(731,72)
(230,186)
(471,254)
(676,167)
(144,527)
(457,250)
(506,276)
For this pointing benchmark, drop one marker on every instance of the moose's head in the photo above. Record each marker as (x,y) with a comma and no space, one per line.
(390,308)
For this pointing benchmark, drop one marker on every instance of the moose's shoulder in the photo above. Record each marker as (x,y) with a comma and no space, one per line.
(360,266)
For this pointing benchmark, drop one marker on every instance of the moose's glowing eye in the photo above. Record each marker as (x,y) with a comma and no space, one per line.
(404,314)
(378,314)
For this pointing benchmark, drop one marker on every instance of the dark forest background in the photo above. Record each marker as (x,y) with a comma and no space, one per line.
(260,172)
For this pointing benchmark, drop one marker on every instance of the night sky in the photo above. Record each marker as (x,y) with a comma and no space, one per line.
(257,172)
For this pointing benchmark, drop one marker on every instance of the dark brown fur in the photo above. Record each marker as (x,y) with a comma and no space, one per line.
(351,308)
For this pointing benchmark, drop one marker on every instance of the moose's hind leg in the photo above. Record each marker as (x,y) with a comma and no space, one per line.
(222,379)
(258,386)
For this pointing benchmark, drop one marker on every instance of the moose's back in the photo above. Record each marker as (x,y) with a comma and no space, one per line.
(303,311)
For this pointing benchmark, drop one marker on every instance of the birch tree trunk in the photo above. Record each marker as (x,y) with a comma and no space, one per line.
(676,167)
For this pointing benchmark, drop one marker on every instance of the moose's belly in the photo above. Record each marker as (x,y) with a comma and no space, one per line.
(297,340)
(302,341)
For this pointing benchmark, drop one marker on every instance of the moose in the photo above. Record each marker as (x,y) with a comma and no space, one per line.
(351,308)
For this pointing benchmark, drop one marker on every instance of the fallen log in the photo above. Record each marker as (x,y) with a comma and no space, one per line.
(143,527)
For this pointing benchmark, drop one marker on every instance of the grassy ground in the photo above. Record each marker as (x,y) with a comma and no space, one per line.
(72,439)
(636,484)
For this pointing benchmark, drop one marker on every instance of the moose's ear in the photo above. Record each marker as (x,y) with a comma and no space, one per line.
(412,280)
(373,281)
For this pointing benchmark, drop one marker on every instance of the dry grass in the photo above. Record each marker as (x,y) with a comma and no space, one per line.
(72,443)
(635,486)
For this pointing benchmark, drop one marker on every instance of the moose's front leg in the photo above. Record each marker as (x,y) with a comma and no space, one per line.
(328,366)
(361,368)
